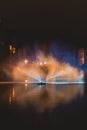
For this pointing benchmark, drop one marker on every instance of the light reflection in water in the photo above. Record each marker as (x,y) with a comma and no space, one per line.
(10,99)
(26,86)
(44,97)
(12,96)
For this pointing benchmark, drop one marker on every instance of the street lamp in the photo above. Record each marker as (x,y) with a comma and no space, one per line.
(26,61)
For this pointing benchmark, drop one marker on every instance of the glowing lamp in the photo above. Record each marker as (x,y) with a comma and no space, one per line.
(10,47)
(26,81)
(41,63)
(45,62)
(26,61)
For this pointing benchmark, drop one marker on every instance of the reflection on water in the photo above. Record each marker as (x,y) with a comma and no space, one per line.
(12,96)
(45,97)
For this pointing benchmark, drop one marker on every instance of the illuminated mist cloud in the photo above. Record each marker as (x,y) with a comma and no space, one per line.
(46,69)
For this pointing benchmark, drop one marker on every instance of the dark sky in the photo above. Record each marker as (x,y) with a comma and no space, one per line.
(46,19)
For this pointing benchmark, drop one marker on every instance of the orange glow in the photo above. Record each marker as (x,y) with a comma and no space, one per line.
(26,86)
(26,61)
(81,56)
(47,97)
(26,81)
(52,70)
(14,50)
(12,96)
(10,47)
(10,99)
(82,60)
(13,93)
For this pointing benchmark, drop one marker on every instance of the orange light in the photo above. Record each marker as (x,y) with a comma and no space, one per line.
(10,47)
(14,50)
(82,60)
(26,85)
(26,61)
(26,81)
(13,93)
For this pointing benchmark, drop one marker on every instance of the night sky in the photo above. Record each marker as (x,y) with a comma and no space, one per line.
(45,20)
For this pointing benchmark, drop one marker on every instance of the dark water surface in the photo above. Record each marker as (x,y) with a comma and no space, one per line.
(28,106)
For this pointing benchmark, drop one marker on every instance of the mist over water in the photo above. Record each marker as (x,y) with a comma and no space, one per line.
(45,89)
(46,69)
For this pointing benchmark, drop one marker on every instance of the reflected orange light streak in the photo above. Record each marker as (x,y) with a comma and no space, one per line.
(47,97)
